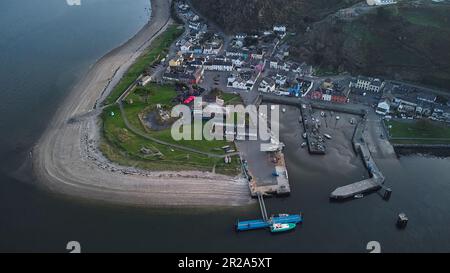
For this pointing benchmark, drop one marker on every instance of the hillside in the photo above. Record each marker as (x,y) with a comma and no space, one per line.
(401,42)
(409,41)
(248,15)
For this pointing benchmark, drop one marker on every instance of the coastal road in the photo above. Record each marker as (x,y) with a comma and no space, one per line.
(67,160)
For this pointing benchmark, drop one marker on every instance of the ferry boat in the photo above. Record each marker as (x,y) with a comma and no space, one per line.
(275,228)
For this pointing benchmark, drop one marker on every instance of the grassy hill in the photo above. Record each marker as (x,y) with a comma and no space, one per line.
(248,15)
(402,42)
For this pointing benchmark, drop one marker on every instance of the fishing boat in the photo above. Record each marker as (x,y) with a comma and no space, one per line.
(275,228)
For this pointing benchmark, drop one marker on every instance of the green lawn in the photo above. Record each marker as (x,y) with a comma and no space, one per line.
(124,147)
(154,53)
(421,131)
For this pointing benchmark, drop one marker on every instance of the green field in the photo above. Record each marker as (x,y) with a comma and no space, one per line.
(153,54)
(124,146)
(153,94)
(418,132)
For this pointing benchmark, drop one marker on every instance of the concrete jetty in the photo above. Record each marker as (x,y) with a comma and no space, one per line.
(351,190)
(315,141)
(376,180)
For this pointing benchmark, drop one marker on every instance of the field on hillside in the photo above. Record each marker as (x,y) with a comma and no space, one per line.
(399,42)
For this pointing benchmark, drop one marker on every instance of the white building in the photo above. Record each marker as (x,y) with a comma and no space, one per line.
(237,82)
(274,64)
(218,65)
(195,25)
(381,2)
(237,62)
(211,50)
(267,85)
(186,47)
(368,84)
(145,80)
(280,79)
(383,108)
(241,36)
(279,28)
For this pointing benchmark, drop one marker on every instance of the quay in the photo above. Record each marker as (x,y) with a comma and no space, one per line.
(376,180)
(315,141)
(263,164)
(280,174)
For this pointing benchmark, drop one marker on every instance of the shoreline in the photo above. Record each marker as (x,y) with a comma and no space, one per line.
(66,159)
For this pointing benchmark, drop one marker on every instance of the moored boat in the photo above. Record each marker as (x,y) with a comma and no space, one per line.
(275,228)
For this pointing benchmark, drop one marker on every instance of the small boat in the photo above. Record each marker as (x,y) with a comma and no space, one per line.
(327,136)
(303,144)
(275,228)
(281,215)
(359,196)
(284,110)
(304,135)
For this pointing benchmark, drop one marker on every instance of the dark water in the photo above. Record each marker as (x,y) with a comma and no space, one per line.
(45,47)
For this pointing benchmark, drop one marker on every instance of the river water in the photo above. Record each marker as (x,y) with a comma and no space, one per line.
(46,46)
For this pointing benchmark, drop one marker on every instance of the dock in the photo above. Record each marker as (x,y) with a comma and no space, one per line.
(266,222)
(314,139)
(268,173)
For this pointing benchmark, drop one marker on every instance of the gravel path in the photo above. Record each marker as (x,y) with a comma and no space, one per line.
(66,158)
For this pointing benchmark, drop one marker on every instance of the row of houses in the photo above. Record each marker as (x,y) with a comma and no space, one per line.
(198,46)
(242,80)
(332,91)
(184,74)
(302,69)
(411,102)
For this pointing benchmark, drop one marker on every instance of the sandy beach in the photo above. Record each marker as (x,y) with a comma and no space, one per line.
(67,161)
